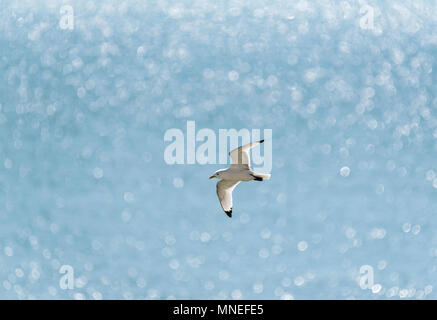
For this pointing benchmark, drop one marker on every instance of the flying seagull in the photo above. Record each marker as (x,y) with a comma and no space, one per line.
(238,171)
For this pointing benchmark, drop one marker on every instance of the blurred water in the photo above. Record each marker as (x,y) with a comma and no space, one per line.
(83,182)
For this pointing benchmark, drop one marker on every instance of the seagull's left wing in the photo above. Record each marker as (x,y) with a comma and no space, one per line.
(240,156)
(224,193)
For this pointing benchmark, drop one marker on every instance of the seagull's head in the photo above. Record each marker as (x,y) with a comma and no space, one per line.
(215,175)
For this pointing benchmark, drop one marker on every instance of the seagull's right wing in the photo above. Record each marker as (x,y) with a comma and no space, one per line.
(240,156)
(224,193)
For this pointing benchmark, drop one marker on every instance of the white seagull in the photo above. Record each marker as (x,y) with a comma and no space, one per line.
(238,171)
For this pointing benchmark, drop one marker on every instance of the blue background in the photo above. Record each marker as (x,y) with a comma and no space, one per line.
(83,181)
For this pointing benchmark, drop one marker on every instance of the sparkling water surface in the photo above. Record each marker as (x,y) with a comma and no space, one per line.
(348,88)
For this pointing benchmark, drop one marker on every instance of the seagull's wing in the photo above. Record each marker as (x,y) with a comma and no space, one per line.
(240,156)
(224,193)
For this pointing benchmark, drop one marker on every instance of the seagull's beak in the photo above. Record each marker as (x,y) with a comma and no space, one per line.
(212,177)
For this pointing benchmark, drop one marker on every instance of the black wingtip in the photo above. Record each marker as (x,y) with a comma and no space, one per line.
(229,213)
(261,141)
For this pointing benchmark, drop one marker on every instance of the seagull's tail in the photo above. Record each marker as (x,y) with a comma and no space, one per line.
(261,176)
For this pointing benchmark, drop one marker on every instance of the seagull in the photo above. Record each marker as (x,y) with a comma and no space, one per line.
(237,172)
